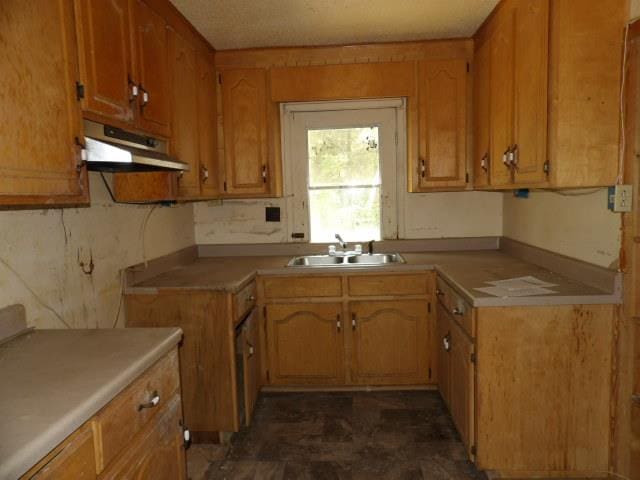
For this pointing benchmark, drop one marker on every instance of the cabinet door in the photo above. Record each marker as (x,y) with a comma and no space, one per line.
(184,112)
(244,112)
(462,384)
(390,342)
(306,343)
(40,117)
(208,126)
(482,113)
(158,453)
(251,367)
(104,40)
(443,124)
(443,329)
(530,94)
(501,96)
(153,71)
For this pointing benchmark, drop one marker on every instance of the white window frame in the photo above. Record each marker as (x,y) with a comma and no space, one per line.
(298,118)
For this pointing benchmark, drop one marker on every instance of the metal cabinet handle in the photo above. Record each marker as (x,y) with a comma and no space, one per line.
(338,323)
(484,162)
(446,341)
(133,89)
(264,174)
(423,168)
(514,155)
(439,292)
(353,321)
(506,157)
(458,311)
(250,299)
(145,97)
(155,400)
(204,174)
(251,349)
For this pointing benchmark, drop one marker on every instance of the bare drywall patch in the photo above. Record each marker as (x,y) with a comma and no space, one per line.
(64,264)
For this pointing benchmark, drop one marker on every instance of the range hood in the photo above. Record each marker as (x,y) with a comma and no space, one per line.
(111,149)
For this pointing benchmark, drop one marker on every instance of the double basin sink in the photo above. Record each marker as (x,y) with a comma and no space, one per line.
(346,260)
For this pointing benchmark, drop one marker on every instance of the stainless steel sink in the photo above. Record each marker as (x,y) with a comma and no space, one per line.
(375,259)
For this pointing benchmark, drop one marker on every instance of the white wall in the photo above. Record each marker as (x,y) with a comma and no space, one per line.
(39,251)
(576,226)
(431,215)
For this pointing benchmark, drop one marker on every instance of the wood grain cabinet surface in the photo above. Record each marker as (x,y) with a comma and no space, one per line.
(246,148)
(39,110)
(349,329)
(442,160)
(548,94)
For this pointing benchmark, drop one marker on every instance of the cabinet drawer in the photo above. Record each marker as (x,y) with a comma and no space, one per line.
(133,408)
(460,309)
(300,287)
(243,301)
(363,285)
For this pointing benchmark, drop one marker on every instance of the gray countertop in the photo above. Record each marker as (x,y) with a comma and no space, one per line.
(53,381)
(465,271)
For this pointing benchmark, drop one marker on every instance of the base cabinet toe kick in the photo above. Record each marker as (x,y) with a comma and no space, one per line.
(529,388)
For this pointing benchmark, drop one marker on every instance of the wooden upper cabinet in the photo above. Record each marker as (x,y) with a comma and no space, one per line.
(442,125)
(244,109)
(390,342)
(306,343)
(104,40)
(152,69)
(482,113)
(531,59)
(208,126)
(184,107)
(501,97)
(40,117)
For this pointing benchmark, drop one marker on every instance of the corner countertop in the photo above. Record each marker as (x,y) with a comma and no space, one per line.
(53,381)
(464,270)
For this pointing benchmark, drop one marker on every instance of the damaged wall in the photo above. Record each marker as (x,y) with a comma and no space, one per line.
(578,226)
(40,251)
(427,215)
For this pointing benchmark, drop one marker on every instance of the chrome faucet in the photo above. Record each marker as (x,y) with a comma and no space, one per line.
(342,243)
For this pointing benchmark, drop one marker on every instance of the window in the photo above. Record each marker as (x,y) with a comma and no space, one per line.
(344,183)
(340,169)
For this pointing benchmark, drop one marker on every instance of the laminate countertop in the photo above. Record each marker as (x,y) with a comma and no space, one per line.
(53,381)
(465,271)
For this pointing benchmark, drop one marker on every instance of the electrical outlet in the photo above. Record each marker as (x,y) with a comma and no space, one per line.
(620,198)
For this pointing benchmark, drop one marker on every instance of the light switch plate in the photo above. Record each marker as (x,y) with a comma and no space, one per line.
(620,198)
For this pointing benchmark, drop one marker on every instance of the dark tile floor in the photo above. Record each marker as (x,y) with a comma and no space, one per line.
(354,435)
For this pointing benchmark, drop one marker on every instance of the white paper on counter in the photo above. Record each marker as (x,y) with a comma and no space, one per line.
(504,292)
(521,283)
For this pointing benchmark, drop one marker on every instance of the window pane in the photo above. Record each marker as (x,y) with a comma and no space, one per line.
(354,213)
(345,156)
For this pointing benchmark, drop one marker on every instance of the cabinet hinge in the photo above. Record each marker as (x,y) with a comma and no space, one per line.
(473,450)
(79,91)
(546,167)
(429,307)
(220,78)
(466,177)
(473,358)
(224,185)
(264,312)
(429,372)
(468,67)
(268,376)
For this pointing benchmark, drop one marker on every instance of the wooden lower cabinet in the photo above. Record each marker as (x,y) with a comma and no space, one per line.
(389,342)
(159,454)
(123,440)
(443,335)
(305,343)
(210,321)
(462,371)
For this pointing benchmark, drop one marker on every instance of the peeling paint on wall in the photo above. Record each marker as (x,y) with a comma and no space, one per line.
(41,252)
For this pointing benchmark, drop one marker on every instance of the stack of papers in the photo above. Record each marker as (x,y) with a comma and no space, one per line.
(518,287)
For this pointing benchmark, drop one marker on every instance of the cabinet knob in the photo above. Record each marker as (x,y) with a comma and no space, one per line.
(145,97)
(446,342)
(204,173)
(338,323)
(264,174)
(251,350)
(506,159)
(514,155)
(155,400)
(484,162)
(251,299)
(458,311)
(353,321)
(423,168)
(186,436)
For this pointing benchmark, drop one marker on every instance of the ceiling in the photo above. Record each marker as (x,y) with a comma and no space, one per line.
(230,24)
